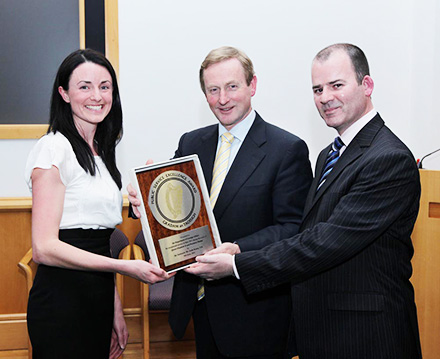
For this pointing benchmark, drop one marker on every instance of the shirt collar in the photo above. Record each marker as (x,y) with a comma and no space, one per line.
(354,129)
(241,129)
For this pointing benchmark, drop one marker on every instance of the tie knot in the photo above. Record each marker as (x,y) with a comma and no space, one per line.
(337,144)
(227,137)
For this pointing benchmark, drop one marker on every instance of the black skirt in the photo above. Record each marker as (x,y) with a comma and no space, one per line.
(70,312)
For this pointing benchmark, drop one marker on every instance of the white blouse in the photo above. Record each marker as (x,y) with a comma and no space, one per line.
(90,201)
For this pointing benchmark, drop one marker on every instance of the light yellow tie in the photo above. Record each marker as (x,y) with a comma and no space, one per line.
(218,177)
(220,167)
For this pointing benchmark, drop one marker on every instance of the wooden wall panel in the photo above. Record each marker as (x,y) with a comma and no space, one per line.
(426,264)
(112,33)
(15,237)
(13,332)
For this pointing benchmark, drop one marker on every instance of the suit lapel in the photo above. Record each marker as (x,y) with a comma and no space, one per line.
(353,151)
(318,173)
(206,153)
(247,160)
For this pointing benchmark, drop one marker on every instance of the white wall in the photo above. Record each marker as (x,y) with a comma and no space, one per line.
(162,44)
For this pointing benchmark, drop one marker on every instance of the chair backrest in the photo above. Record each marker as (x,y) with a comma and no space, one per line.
(140,241)
(160,293)
(118,241)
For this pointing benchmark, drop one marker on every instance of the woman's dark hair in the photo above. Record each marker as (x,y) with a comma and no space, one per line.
(108,132)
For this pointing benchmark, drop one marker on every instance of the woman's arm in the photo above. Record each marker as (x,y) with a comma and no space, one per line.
(48,198)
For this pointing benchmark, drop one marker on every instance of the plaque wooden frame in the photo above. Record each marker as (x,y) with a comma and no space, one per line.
(147,180)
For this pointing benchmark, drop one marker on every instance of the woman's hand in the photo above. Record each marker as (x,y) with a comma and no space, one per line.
(119,337)
(145,271)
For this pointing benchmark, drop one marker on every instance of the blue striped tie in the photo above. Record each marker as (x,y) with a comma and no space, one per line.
(332,158)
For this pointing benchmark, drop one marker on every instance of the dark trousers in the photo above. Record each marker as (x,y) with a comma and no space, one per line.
(206,348)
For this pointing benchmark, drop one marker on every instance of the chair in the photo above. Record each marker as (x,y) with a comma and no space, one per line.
(154,297)
(26,264)
(119,248)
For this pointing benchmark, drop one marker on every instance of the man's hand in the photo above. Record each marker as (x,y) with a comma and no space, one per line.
(132,196)
(213,266)
(227,247)
(135,202)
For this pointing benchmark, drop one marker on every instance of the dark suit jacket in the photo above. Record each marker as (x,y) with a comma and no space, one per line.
(261,201)
(350,266)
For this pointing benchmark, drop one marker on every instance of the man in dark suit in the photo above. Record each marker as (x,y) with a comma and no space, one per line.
(349,267)
(260,201)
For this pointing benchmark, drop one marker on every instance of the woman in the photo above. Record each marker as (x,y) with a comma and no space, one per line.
(74,309)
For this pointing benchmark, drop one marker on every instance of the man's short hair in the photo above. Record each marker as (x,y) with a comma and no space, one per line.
(225,53)
(356,55)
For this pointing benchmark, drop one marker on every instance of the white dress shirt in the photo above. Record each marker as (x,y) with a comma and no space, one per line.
(239,131)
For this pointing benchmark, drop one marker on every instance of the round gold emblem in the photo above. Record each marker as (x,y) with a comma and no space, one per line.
(174,200)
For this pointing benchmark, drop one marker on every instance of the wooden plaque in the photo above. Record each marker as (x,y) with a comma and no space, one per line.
(177,218)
